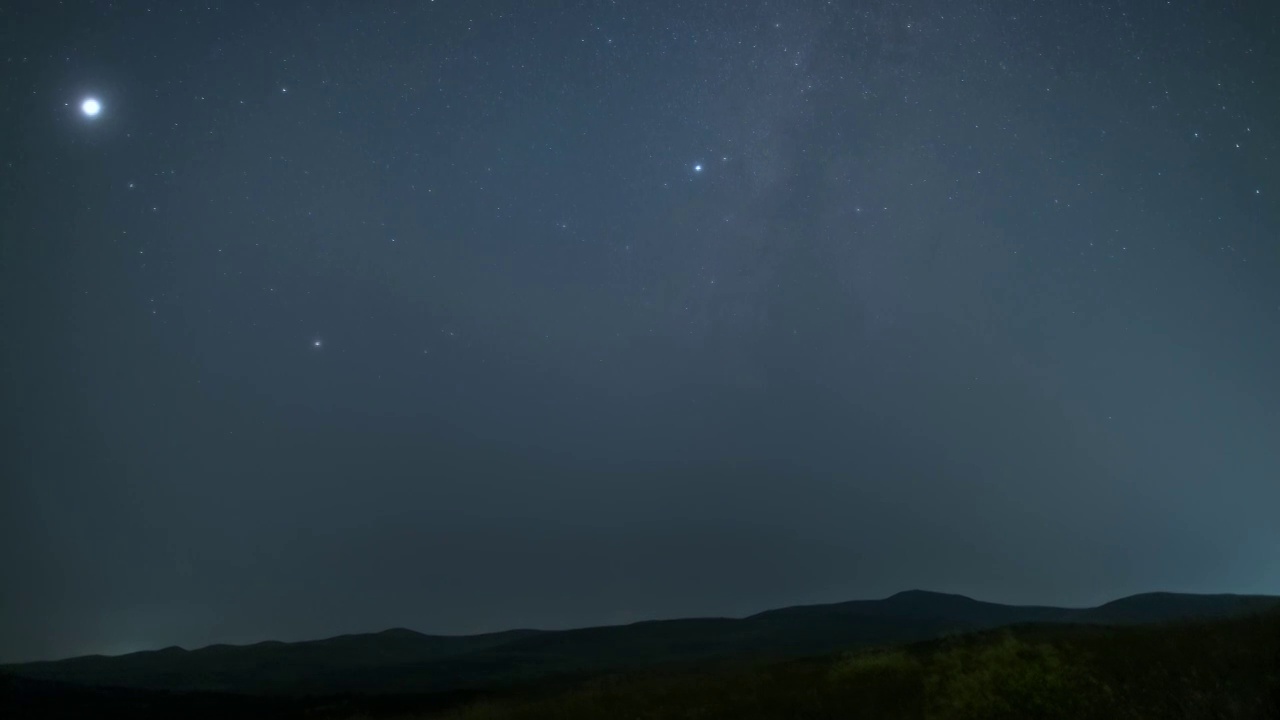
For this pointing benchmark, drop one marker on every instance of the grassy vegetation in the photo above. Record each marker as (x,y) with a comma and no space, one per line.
(1223,669)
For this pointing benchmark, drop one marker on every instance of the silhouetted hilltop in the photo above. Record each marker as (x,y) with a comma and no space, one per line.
(926,605)
(271,666)
(402,660)
(1165,606)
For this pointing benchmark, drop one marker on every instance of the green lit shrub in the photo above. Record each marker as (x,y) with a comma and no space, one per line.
(1011,679)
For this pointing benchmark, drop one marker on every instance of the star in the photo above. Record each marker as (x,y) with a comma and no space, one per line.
(317,343)
(91,107)
(697,168)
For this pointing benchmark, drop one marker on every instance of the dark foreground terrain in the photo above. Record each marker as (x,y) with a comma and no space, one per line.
(1222,669)
(1224,664)
(403,661)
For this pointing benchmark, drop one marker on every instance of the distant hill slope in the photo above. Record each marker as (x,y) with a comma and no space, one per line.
(401,661)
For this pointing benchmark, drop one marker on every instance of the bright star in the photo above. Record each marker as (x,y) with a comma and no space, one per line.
(697,168)
(91,107)
(315,344)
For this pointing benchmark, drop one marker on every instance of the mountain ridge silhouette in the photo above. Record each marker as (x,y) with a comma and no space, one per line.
(400,660)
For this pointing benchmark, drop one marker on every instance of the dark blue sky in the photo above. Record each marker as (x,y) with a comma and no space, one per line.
(463,316)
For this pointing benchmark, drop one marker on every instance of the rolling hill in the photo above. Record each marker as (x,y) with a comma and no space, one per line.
(404,661)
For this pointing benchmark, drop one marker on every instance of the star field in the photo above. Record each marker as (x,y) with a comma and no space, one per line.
(463,316)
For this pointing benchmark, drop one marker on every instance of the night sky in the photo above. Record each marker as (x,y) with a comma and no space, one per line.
(464,316)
